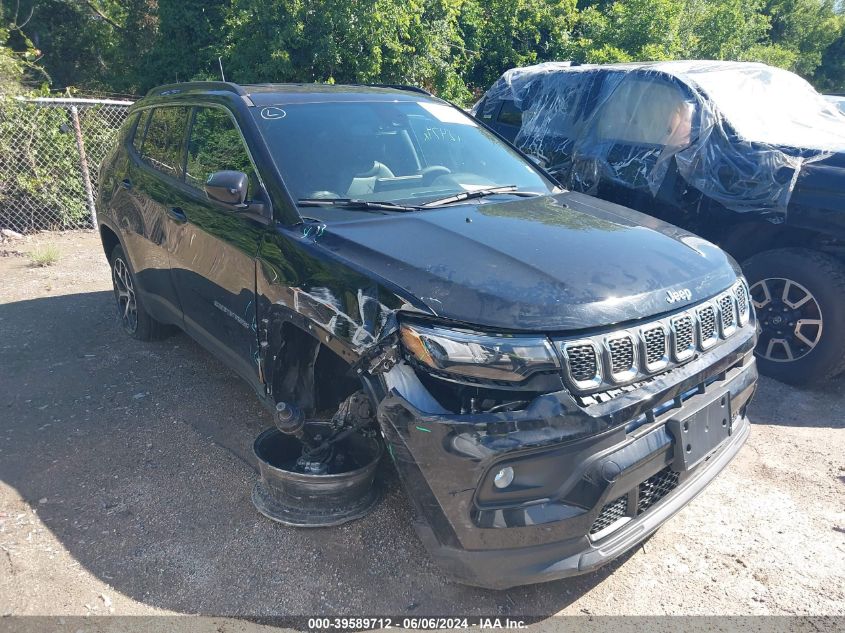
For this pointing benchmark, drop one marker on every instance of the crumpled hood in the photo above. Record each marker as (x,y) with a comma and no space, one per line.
(551,263)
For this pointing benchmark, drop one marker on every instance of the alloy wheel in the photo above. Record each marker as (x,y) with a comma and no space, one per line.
(789,319)
(124,291)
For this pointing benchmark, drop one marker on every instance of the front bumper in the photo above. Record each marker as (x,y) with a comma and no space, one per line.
(574,462)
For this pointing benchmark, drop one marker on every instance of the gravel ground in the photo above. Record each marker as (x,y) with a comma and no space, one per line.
(126,469)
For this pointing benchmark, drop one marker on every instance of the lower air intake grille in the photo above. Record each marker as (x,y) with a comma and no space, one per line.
(621,354)
(651,491)
(611,512)
(582,362)
(656,487)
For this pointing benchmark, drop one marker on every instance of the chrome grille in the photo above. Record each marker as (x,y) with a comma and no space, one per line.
(741,295)
(613,362)
(707,325)
(609,514)
(583,363)
(621,354)
(655,488)
(655,345)
(727,313)
(684,329)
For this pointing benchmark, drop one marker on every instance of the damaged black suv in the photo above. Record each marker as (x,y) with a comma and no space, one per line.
(554,376)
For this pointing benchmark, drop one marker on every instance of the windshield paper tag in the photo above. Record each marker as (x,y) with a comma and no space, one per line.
(446,114)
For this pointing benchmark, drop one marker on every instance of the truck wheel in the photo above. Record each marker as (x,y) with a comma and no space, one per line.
(134,319)
(799,298)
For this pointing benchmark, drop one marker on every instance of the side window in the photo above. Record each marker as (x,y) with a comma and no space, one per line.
(510,114)
(646,112)
(216,145)
(485,110)
(140,130)
(163,143)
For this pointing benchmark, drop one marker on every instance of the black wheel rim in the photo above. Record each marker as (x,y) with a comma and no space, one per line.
(789,319)
(124,292)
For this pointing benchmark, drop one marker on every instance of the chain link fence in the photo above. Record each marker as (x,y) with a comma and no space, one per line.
(50,153)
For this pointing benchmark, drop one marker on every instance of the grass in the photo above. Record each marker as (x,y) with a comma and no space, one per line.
(44,256)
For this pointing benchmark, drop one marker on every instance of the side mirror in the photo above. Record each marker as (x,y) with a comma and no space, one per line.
(228,187)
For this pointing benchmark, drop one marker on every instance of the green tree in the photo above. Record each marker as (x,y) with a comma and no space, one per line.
(831,73)
(348,41)
(807,28)
(726,29)
(501,34)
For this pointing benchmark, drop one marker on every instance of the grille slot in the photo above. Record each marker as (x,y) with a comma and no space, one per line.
(610,513)
(741,300)
(684,335)
(655,488)
(655,345)
(583,364)
(621,354)
(707,321)
(726,307)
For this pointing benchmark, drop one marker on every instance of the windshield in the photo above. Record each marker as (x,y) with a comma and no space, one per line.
(389,151)
(774,106)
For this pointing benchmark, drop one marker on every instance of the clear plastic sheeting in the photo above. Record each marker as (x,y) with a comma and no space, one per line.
(737,132)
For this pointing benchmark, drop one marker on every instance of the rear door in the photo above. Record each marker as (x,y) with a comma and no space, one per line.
(214,250)
(152,183)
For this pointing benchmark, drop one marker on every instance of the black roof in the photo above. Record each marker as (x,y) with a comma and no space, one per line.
(268,94)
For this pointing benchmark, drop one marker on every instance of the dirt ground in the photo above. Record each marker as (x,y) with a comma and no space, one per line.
(126,469)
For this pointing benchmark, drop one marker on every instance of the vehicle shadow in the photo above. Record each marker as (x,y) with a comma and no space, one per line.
(138,459)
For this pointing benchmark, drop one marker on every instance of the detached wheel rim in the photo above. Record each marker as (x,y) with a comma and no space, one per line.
(789,319)
(124,292)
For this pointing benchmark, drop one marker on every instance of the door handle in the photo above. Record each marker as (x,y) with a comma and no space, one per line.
(177,214)
(126,183)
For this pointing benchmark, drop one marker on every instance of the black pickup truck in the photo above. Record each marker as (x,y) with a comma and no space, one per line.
(748,156)
(553,375)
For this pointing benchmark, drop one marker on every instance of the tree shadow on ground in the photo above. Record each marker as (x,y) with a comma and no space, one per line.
(143,454)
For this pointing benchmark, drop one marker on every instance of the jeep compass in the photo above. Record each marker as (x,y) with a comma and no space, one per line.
(553,375)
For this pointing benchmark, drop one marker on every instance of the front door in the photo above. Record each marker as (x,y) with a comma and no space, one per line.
(214,253)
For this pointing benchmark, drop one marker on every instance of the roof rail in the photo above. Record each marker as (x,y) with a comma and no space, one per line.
(401,87)
(170,89)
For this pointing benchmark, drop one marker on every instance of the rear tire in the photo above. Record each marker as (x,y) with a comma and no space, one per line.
(133,316)
(799,297)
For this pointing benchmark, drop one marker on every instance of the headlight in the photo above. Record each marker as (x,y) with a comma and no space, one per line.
(503,357)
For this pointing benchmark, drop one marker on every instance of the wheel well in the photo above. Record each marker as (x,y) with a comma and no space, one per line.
(109,239)
(307,373)
(749,238)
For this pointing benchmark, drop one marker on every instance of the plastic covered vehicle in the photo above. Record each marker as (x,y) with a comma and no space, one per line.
(747,155)
(838,101)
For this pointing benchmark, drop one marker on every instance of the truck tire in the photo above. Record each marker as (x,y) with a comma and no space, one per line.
(799,298)
(133,317)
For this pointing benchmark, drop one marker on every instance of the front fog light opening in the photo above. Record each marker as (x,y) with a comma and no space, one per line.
(503,478)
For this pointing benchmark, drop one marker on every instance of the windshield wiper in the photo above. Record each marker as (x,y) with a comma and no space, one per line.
(480,193)
(354,204)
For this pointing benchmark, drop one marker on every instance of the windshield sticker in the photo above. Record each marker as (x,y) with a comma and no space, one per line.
(446,114)
(272,113)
